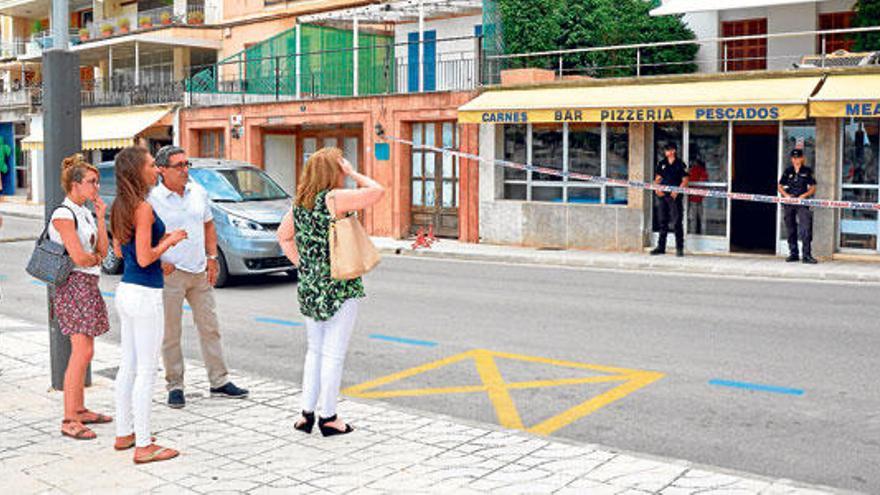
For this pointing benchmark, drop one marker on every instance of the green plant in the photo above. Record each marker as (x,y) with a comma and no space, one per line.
(36,27)
(540,25)
(867,15)
(123,22)
(165,17)
(107,28)
(196,17)
(83,32)
(146,21)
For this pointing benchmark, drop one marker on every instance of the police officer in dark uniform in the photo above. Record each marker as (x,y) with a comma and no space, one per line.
(670,171)
(798,182)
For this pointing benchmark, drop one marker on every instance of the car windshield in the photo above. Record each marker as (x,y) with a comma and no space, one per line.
(237,185)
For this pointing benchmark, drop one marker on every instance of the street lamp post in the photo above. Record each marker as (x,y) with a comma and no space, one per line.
(61,130)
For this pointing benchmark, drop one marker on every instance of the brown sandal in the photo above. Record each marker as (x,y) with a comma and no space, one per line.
(96,418)
(160,454)
(80,431)
(129,442)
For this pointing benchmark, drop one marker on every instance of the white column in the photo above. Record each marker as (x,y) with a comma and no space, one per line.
(421,46)
(298,62)
(110,68)
(60,24)
(137,64)
(355,59)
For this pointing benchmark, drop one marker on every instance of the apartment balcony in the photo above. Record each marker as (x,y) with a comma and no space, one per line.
(376,72)
(99,93)
(33,10)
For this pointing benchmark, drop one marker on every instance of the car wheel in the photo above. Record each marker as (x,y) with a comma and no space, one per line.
(222,272)
(111,264)
(293,275)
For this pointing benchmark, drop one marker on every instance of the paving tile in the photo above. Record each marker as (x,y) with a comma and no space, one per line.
(250,446)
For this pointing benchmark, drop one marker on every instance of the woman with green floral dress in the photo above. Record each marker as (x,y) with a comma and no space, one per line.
(328,305)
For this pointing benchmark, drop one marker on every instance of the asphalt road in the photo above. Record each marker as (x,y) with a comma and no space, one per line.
(815,344)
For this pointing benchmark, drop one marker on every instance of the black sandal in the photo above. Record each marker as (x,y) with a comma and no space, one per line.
(308,424)
(329,431)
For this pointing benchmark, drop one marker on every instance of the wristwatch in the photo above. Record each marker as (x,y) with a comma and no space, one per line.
(212,257)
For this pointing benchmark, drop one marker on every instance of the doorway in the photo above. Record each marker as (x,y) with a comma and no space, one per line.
(434,180)
(280,160)
(755,160)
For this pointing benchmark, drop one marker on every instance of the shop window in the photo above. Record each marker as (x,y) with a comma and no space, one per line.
(212,143)
(834,42)
(859,182)
(748,54)
(664,134)
(707,164)
(593,149)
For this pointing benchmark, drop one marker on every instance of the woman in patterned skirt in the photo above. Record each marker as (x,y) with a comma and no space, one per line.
(328,305)
(79,307)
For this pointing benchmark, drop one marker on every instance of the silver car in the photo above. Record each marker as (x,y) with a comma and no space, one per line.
(248,207)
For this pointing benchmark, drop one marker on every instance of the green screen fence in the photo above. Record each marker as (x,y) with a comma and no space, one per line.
(326,65)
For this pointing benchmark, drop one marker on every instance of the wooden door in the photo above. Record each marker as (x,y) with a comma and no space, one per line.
(434,181)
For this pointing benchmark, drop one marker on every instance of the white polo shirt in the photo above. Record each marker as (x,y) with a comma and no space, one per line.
(189,212)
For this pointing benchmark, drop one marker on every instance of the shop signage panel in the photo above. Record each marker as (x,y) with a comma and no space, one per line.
(638,114)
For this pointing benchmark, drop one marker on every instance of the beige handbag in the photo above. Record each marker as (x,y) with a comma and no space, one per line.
(352,253)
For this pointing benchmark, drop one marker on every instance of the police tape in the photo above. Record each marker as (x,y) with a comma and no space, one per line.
(634,184)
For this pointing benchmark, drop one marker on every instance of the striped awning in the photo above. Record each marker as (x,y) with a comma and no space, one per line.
(107,128)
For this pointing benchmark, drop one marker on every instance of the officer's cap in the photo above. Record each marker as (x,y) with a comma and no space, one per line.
(797,153)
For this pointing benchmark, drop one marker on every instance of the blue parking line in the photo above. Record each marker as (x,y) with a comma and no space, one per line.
(108,294)
(186,307)
(401,340)
(38,282)
(757,387)
(277,321)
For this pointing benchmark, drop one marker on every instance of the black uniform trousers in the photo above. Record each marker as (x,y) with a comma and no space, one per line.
(670,210)
(798,224)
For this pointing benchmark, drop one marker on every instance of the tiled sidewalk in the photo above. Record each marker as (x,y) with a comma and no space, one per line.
(249,446)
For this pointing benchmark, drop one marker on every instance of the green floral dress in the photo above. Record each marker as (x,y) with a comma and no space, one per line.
(320,296)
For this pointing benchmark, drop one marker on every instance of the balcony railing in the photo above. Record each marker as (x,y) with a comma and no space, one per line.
(380,72)
(97,94)
(720,55)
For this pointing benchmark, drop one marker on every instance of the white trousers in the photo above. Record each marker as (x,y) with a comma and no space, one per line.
(327,345)
(143,319)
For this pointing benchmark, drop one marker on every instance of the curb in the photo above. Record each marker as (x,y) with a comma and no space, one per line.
(18,214)
(19,239)
(639,266)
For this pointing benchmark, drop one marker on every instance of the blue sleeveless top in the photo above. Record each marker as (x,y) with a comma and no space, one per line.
(132,272)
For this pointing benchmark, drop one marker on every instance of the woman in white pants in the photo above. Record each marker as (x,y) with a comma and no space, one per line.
(328,305)
(139,237)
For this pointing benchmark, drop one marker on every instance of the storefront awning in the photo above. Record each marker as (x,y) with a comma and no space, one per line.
(106,128)
(848,96)
(748,99)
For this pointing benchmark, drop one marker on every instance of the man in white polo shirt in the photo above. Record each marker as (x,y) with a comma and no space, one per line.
(190,270)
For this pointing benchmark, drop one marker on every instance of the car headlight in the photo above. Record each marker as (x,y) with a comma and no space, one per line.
(245,224)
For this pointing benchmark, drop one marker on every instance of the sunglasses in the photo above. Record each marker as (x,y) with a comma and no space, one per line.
(93,182)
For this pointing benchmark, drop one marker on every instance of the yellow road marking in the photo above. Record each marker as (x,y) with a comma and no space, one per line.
(498,390)
(633,383)
(505,409)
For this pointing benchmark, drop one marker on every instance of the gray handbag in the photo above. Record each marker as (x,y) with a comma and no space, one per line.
(50,262)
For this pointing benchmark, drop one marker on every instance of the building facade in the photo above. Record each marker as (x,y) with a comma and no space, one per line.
(742,126)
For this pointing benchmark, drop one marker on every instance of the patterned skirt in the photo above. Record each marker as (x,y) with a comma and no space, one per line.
(79,306)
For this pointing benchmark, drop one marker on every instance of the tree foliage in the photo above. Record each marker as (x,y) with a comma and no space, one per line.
(541,25)
(867,15)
